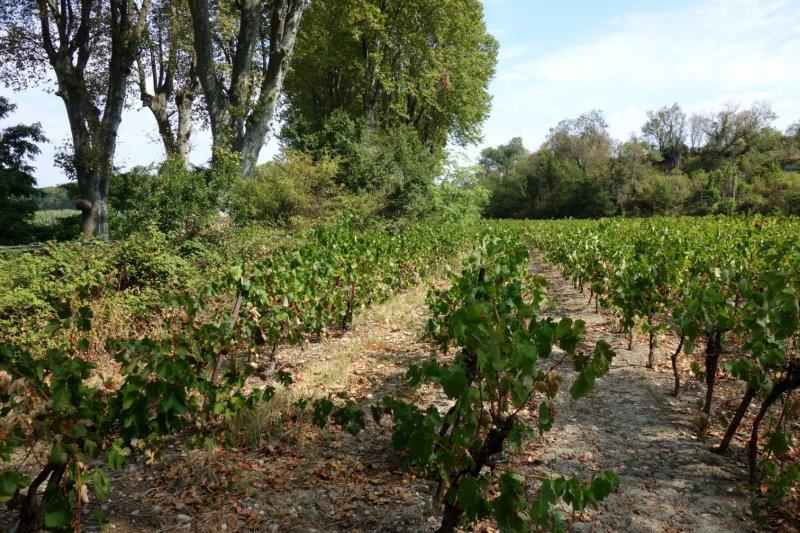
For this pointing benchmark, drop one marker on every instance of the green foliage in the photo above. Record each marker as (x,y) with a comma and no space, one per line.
(294,185)
(734,162)
(490,318)
(193,371)
(148,260)
(423,64)
(654,193)
(57,197)
(394,165)
(708,280)
(174,199)
(18,144)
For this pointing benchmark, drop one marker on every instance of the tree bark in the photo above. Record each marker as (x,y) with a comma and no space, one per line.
(236,122)
(94,132)
(790,382)
(747,399)
(713,350)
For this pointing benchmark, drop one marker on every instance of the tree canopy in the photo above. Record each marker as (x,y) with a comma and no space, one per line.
(425,64)
(725,161)
(18,145)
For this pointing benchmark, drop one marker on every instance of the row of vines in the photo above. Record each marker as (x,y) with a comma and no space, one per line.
(496,358)
(63,423)
(728,289)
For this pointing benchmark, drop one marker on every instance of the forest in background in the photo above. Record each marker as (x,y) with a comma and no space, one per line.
(727,161)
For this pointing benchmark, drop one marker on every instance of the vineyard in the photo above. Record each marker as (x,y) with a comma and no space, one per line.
(190,377)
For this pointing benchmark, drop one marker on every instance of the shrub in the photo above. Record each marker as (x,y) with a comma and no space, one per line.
(293,185)
(147,259)
(654,193)
(174,199)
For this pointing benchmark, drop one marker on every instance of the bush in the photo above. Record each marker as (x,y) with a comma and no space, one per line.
(174,199)
(147,259)
(391,160)
(294,185)
(655,193)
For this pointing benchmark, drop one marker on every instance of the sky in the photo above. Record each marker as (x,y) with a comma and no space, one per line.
(560,59)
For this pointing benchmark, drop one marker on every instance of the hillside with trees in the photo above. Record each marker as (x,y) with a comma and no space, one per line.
(728,161)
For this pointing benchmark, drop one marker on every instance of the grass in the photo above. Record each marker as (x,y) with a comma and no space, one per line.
(330,367)
(48,217)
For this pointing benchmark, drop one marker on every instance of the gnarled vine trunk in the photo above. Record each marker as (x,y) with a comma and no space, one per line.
(747,399)
(713,351)
(789,382)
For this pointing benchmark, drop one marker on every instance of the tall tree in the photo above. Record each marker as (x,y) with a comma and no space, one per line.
(166,75)
(698,126)
(499,161)
(17,184)
(732,131)
(666,131)
(241,70)
(585,141)
(423,64)
(90,47)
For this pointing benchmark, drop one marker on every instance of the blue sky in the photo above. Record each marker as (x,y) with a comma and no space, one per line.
(559,59)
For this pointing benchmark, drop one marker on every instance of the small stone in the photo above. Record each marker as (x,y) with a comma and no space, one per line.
(180,517)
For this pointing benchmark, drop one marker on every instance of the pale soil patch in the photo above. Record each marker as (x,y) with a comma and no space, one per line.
(670,481)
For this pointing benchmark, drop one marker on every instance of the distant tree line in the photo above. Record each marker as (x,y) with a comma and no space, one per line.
(728,161)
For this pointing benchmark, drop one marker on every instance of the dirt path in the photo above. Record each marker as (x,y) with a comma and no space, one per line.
(670,481)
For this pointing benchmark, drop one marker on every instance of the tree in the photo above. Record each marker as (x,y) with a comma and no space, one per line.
(420,64)
(559,187)
(90,46)
(241,72)
(698,126)
(17,185)
(666,131)
(166,75)
(585,141)
(499,161)
(793,130)
(731,132)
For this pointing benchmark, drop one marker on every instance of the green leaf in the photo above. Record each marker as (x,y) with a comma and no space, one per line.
(9,482)
(58,519)
(58,455)
(545,421)
(603,485)
(454,381)
(470,498)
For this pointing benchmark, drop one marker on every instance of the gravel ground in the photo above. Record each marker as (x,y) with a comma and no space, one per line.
(670,481)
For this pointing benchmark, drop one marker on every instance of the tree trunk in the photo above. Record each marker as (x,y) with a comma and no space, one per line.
(749,394)
(245,130)
(184,100)
(675,372)
(94,133)
(713,350)
(93,183)
(790,382)
(651,354)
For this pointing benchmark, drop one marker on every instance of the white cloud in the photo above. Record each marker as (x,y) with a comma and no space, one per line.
(702,56)
(735,42)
